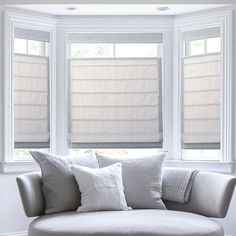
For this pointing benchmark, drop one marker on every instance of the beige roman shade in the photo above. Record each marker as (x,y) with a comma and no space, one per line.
(115,102)
(31,101)
(201,101)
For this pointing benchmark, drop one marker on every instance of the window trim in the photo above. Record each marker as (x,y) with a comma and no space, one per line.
(116,26)
(12,20)
(111,145)
(170,27)
(222,19)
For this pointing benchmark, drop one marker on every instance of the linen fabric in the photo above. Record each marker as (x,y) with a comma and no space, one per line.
(60,188)
(142,179)
(101,189)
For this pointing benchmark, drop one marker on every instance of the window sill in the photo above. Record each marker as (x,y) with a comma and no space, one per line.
(17,167)
(212,166)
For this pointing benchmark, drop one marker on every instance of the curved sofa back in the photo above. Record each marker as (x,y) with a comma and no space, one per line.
(210,196)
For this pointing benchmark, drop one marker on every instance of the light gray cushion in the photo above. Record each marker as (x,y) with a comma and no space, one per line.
(125,223)
(101,189)
(60,188)
(142,178)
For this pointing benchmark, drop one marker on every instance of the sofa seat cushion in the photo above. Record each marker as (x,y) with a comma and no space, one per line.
(124,223)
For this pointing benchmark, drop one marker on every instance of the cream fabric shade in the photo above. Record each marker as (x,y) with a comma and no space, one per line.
(31,103)
(115,101)
(204,33)
(115,38)
(31,34)
(201,101)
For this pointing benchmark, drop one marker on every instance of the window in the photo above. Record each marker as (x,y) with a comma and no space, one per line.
(201,123)
(118,108)
(115,91)
(31,92)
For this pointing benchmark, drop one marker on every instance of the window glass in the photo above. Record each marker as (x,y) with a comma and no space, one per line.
(20,45)
(132,152)
(33,47)
(213,45)
(197,47)
(201,154)
(95,50)
(137,50)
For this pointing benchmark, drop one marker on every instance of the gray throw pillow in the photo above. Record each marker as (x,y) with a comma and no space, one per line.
(60,189)
(142,178)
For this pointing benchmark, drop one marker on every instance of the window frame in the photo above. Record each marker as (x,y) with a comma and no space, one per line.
(171,29)
(13,20)
(127,27)
(207,20)
(117,145)
(187,47)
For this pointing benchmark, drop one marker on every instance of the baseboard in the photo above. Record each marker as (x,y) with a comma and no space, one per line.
(24,233)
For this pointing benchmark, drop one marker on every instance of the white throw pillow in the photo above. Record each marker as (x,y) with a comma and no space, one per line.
(142,178)
(101,189)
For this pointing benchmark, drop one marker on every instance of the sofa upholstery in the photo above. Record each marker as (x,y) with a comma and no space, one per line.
(210,197)
(125,223)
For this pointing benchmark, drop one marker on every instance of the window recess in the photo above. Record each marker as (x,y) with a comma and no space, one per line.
(31,91)
(115,90)
(201,114)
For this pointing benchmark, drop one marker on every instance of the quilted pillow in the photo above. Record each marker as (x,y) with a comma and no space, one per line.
(60,188)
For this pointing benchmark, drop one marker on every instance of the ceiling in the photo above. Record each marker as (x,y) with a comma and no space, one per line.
(118,9)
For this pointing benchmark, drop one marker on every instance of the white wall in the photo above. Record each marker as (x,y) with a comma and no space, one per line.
(12,218)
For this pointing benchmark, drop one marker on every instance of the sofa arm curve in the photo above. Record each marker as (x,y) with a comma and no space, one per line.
(30,188)
(210,196)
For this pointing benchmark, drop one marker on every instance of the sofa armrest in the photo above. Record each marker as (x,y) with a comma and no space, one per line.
(210,196)
(30,188)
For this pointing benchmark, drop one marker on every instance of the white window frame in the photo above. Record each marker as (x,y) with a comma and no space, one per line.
(12,20)
(171,85)
(188,47)
(115,25)
(222,19)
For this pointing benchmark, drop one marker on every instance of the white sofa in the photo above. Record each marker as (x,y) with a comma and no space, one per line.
(210,197)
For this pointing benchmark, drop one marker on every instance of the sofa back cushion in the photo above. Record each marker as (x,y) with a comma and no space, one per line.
(60,188)
(142,178)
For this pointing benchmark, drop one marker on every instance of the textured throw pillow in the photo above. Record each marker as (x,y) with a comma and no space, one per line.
(60,188)
(101,189)
(142,178)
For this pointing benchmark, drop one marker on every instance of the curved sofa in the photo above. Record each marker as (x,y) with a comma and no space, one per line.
(210,197)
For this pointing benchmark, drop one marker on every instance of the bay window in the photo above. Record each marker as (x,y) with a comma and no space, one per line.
(202,94)
(115,91)
(30,82)
(122,90)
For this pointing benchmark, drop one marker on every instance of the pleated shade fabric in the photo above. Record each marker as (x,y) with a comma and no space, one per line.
(201,100)
(115,101)
(31,101)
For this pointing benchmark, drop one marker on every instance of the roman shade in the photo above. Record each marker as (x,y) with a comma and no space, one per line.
(31,34)
(201,101)
(204,33)
(115,38)
(31,101)
(115,102)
